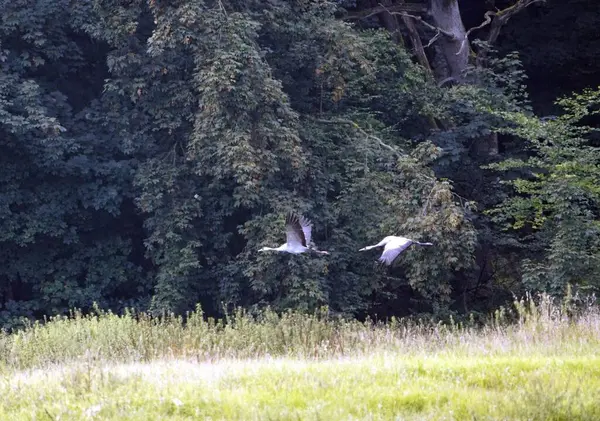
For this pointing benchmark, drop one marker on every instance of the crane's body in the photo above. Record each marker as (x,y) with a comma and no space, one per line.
(298,237)
(393,246)
(287,248)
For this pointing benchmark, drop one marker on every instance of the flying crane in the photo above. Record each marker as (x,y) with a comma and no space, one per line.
(298,231)
(394,245)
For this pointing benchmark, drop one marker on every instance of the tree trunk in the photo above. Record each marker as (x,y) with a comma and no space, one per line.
(389,20)
(455,49)
(446,16)
(415,40)
(487,145)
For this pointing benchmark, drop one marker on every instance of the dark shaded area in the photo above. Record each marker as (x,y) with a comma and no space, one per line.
(149,149)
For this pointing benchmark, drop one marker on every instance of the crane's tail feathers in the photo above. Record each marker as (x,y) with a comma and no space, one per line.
(424,244)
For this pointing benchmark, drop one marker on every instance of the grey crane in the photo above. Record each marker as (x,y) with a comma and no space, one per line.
(298,231)
(394,245)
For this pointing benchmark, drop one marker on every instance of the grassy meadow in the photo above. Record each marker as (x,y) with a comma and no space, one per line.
(536,361)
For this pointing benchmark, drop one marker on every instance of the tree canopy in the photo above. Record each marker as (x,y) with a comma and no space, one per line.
(149,149)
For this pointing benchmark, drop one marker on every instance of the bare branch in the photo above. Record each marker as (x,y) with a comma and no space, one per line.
(425,23)
(503,16)
(415,40)
(401,10)
(446,80)
(498,19)
(488,19)
(426,205)
(517,7)
(361,131)
(403,7)
(434,39)
(222,8)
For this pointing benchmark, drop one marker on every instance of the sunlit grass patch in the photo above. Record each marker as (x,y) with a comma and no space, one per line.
(382,387)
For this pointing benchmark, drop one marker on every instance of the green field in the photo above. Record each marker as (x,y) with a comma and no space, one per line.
(543,365)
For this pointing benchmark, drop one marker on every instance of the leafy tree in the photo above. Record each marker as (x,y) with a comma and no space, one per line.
(233,149)
(554,208)
(150,148)
(64,183)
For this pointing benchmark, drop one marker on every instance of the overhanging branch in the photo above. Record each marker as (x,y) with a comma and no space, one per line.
(497,20)
(438,30)
(488,19)
(379,141)
(503,16)
(404,14)
(396,8)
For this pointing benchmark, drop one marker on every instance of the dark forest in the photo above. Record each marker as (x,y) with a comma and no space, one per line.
(150,148)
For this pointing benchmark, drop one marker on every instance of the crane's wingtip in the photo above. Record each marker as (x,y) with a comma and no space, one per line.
(291,217)
(304,220)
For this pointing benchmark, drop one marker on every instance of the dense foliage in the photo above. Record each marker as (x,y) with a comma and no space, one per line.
(149,148)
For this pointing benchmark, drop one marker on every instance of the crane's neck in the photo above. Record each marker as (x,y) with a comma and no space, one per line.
(280,248)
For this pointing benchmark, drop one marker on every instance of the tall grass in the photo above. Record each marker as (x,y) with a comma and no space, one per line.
(540,326)
(538,359)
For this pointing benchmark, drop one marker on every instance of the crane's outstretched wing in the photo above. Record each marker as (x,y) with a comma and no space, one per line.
(389,254)
(306,225)
(293,231)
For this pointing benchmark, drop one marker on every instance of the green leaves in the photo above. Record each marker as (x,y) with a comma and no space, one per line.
(256,109)
(558,197)
(155,146)
(66,240)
